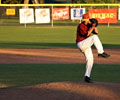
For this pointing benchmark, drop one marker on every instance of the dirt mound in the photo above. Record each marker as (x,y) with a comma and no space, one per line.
(64,91)
(54,56)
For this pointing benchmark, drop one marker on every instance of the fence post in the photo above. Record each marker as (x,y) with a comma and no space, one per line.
(25,25)
(52,16)
(108,20)
(118,13)
(80,8)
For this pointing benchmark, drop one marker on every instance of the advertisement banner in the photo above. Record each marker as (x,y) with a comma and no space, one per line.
(42,15)
(104,15)
(119,14)
(60,13)
(26,15)
(77,13)
(10,11)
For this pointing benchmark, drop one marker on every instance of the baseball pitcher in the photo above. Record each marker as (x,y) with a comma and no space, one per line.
(85,40)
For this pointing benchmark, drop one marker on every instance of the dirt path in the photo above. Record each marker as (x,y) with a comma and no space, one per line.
(53,56)
(64,91)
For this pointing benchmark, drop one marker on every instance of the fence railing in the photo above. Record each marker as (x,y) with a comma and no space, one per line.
(7,19)
(60,5)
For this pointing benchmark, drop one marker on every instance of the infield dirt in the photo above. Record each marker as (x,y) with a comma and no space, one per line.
(59,90)
(54,56)
(63,91)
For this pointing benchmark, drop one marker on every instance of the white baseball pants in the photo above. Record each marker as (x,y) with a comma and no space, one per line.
(85,47)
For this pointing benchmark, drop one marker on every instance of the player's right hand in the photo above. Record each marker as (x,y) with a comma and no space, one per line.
(90,30)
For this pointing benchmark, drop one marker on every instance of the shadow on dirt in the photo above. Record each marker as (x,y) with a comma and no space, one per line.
(64,91)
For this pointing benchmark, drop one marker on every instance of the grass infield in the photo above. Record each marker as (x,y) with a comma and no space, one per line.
(12,75)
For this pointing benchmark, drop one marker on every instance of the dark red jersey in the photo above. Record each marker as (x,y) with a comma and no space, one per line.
(82,32)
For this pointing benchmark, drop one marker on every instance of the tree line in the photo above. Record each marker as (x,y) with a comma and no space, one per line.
(21,1)
(73,1)
(95,1)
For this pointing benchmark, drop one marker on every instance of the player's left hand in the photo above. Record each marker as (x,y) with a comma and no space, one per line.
(94,22)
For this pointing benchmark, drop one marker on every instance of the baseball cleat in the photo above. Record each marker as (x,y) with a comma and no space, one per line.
(88,80)
(104,55)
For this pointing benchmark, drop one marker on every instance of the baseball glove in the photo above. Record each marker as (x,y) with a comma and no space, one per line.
(93,20)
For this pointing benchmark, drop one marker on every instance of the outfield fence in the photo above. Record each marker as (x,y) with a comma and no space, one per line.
(37,15)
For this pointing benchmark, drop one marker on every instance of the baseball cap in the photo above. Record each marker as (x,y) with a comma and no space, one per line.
(85,17)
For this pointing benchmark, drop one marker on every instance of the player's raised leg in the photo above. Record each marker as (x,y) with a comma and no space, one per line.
(87,43)
(99,47)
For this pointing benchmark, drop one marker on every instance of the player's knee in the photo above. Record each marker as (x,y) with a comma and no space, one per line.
(95,36)
(90,59)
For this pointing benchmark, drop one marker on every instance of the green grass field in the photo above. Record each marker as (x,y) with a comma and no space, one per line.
(13,75)
(57,37)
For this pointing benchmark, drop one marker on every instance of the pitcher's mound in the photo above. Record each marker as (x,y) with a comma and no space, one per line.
(64,91)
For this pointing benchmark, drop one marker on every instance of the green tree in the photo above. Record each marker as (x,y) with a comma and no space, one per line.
(89,1)
(12,1)
(95,1)
(99,1)
(79,1)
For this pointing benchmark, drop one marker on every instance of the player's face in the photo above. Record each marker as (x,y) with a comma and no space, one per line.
(87,22)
